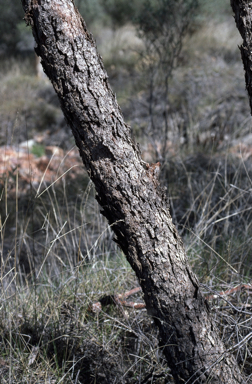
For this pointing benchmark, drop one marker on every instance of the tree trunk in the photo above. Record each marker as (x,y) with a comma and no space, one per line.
(243,18)
(129,195)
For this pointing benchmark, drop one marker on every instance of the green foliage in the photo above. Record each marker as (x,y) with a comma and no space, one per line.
(215,8)
(38,150)
(162,25)
(91,10)
(165,18)
(11,13)
(121,11)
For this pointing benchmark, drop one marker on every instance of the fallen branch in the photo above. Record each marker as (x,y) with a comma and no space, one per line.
(120,299)
(246,287)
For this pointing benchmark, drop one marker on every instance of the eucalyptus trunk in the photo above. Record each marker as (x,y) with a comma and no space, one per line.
(129,194)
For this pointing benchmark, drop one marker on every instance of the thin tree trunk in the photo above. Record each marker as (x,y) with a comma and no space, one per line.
(129,195)
(243,18)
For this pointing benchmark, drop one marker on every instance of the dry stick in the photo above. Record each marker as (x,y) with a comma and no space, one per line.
(229,291)
(120,299)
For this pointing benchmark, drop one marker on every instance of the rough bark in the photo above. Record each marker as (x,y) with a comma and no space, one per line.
(129,195)
(243,18)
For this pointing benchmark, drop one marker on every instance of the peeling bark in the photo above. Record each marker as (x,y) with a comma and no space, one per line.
(129,195)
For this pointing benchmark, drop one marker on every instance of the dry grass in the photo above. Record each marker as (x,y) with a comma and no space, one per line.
(49,334)
(61,260)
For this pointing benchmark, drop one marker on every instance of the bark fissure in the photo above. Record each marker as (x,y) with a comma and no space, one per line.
(129,195)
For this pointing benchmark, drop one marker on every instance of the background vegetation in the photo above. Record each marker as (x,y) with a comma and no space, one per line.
(57,252)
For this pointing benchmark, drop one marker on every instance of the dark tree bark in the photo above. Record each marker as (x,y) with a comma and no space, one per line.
(129,195)
(243,18)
